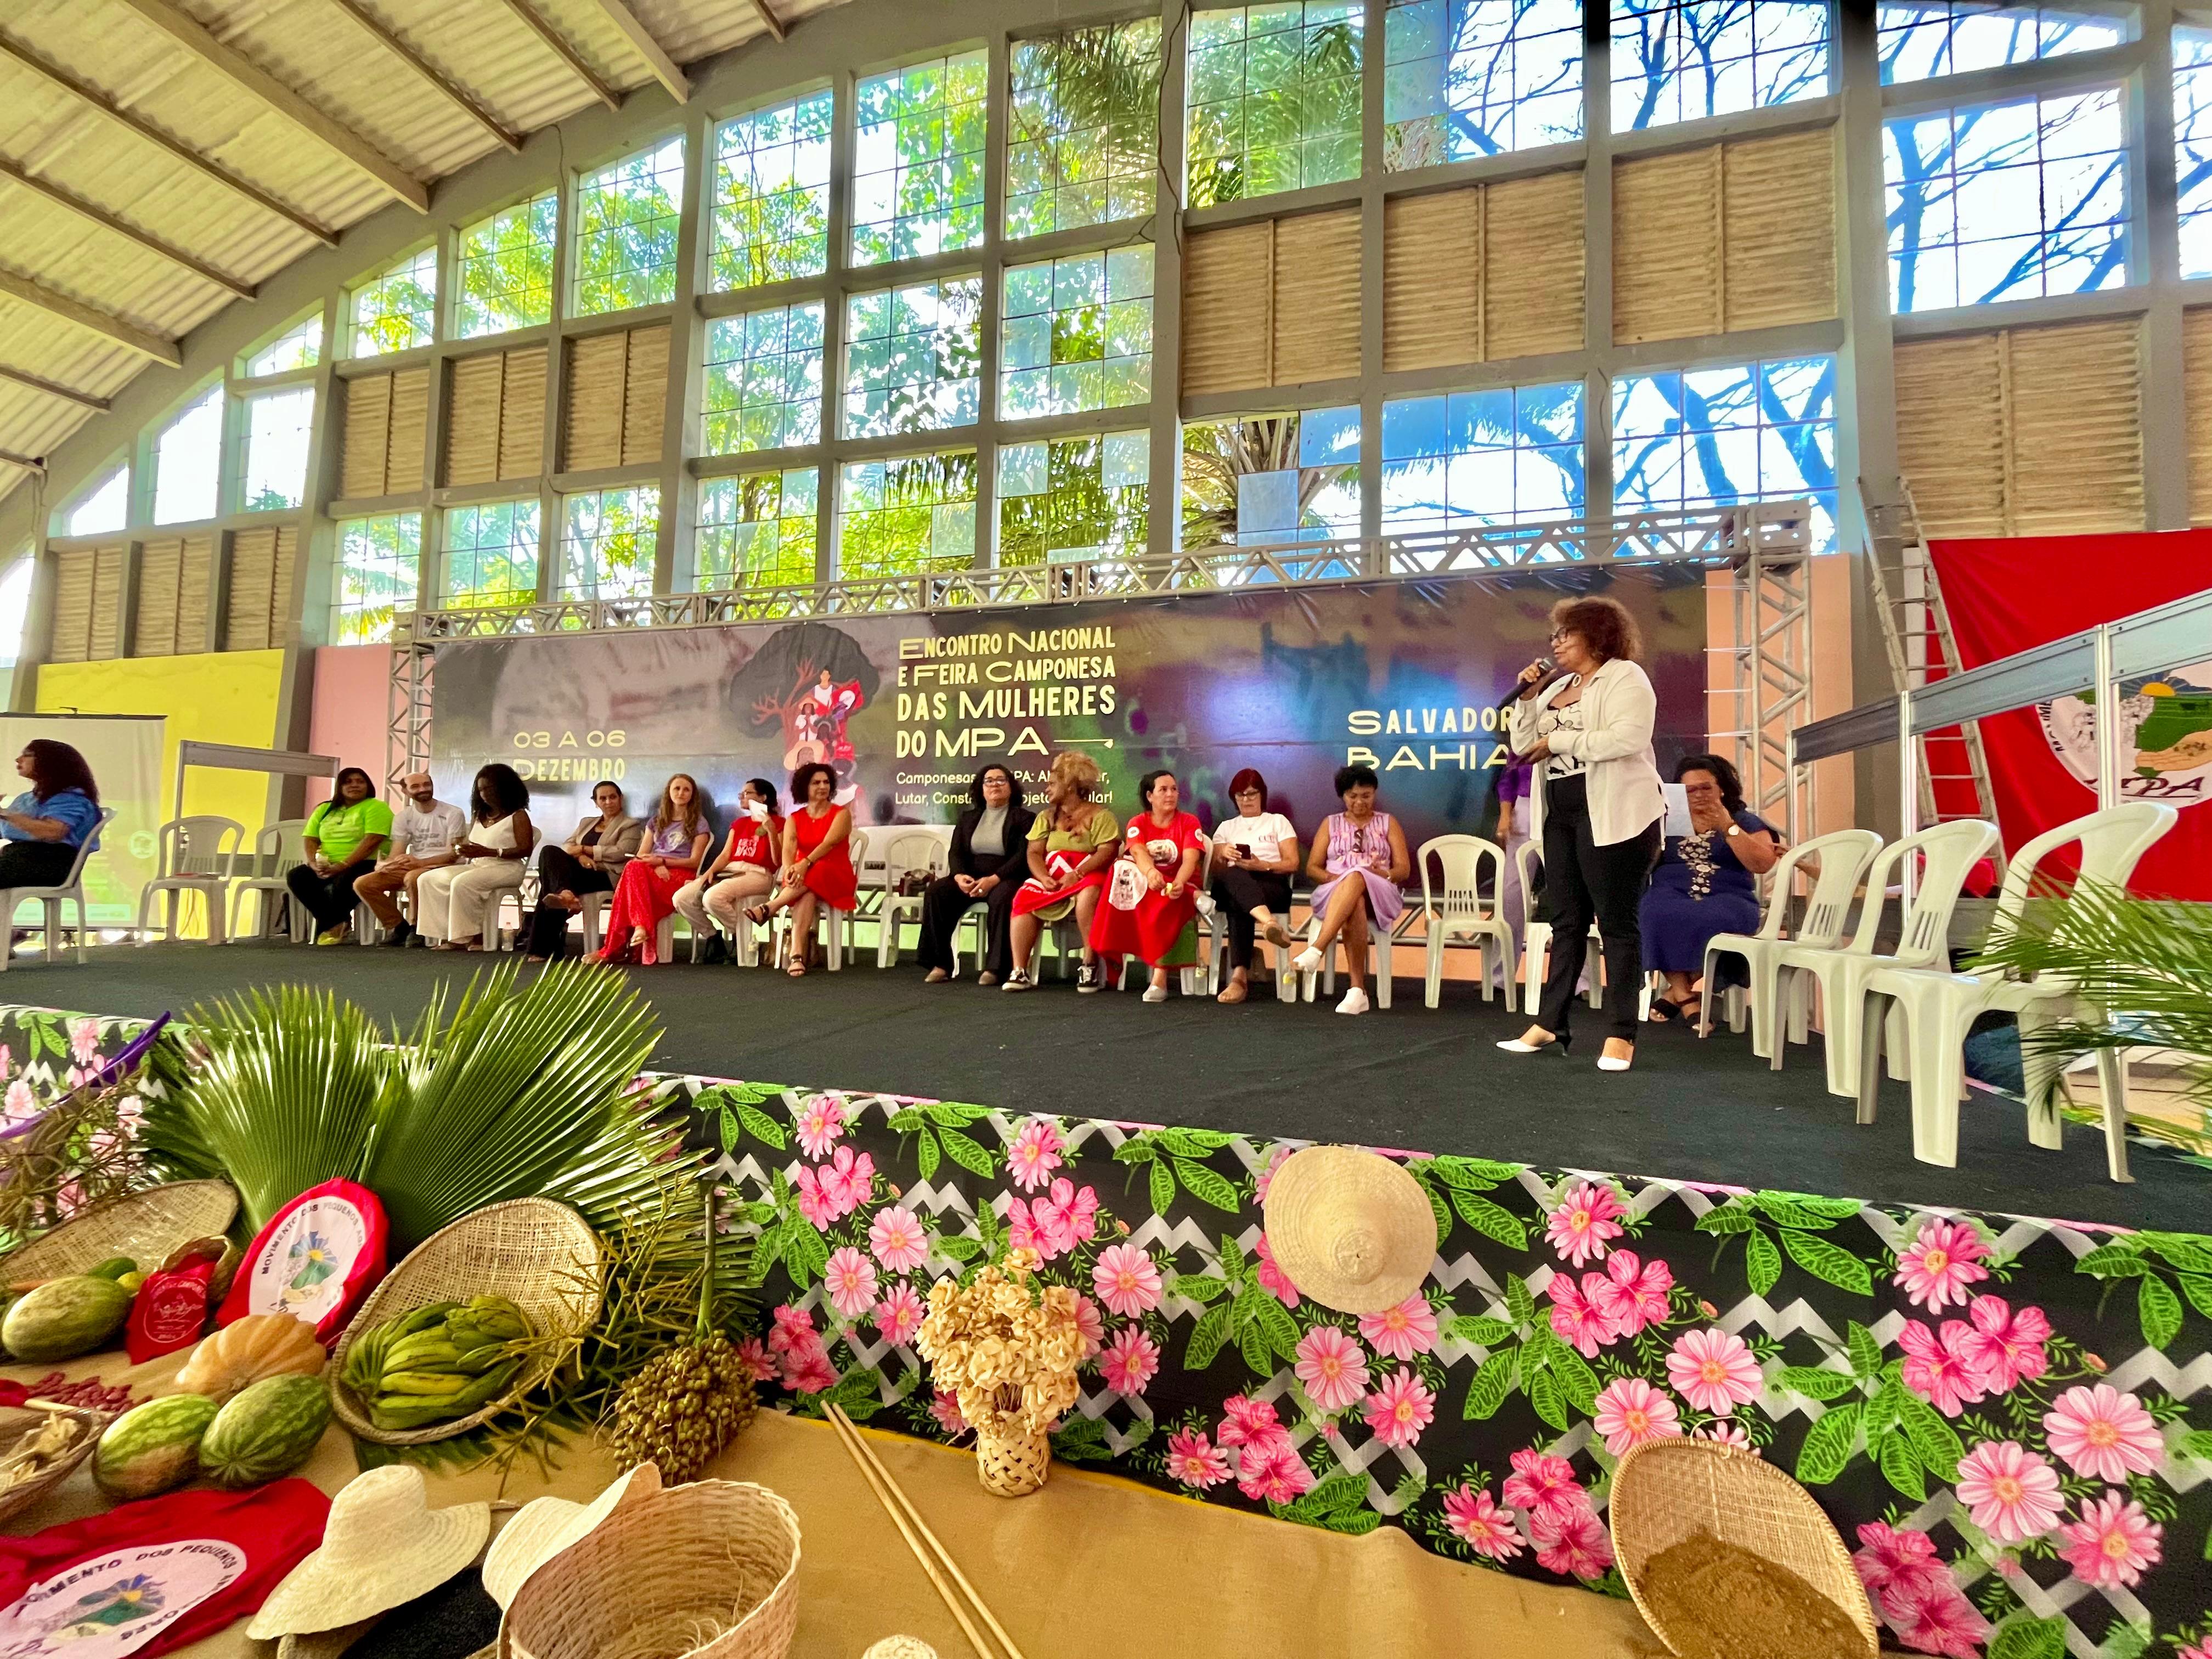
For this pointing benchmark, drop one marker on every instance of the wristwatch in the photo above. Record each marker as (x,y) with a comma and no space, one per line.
(1736,829)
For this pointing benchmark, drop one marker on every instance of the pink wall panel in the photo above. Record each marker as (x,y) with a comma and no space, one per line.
(347,719)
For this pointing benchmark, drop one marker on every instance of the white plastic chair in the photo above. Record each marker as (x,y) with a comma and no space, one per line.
(277,848)
(194,856)
(841,926)
(69,888)
(1935,1010)
(1948,853)
(906,852)
(1456,908)
(1381,943)
(1843,857)
(1536,939)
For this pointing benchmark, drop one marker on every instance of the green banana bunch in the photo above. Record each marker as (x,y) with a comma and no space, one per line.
(438,1363)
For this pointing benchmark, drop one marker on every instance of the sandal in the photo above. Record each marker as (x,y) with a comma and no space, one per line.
(797,970)
(1233,992)
(758,914)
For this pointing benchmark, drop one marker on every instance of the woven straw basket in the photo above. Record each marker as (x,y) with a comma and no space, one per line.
(538,1255)
(146,1227)
(1010,1461)
(709,1570)
(16,1424)
(1665,1490)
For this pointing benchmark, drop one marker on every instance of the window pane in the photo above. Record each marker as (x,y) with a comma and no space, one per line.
(300,347)
(491,554)
(16,608)
(1470,460)
(506,270)
(188,463)
(1924,38)
(378,560)
(278,425)
(1274,98)
(1083,129)
(395,311)
(763,381)
(107,507)
(1073,497)
(1686,440)
(2192,143)
(1271,478)
(914,357)
(2006,201)
(757,529)
(1464,78)
(900,517)
(918,173)
(1694,58)
(627,217)
(612,540)
(772,195)
(1077,334)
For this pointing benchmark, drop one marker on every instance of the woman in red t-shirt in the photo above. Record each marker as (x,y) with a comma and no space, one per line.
(742,872)
(1155,915)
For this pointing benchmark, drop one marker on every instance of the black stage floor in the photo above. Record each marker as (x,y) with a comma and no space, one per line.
(1408,1078)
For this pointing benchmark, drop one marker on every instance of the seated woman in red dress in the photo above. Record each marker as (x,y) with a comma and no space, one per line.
(818,861)
(676,842)
(1154,917)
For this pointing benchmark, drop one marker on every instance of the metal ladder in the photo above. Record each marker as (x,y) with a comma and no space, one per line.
(1916,629)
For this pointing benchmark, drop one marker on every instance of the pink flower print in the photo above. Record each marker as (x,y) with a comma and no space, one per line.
(899,1315)
(946,1408)
(898,1239)
(1934,1617)
(1072,1216)
(753,1356)
(1544,1488)
(1633,1294)
(1090,1323)
(2195,1650)
(1630,1411)
(1130,1361)
(1273,1278)
(2103,1434)
(1936,1367)
(815,1375)
(821,1124)
(1576,1547)
(850,1279)
(1477,1522)
(791,1327)
(2005,1348)
(1193,1461)
(1400,1409)
(1267,1175)
(2114,1542)
(817,1197)
(1126,1281)
(84,1040)
(847,1181)
(7,1059)
(1728,1433)
(1714,1370)
(2011,1494)
(1035,1154)
(1331,1367)
(1577,1318)
(1892,1560)
(1939,1264)
(1401,1332)
(1586,1219)
(1273,1472)
(1026,1230)
(1249,1422)
(20,1102)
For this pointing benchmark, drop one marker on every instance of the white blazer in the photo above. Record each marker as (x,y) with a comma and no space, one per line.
(1618,710)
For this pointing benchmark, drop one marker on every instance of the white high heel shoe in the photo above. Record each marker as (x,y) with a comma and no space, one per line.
(1518,1046)
(1616,1063)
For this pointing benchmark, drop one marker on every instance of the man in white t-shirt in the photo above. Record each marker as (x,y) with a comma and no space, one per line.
(424,832)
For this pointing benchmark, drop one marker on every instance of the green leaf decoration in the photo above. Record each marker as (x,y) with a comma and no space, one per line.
(1476,1328)
(953,1113)
(955,1248)
(2112,1261)
(759,1125)
(2029,1638)
(1083,1441)
(1827,1448)
(1491,1220)
(926,1155)
(2198,1289)
(2196,1444)
(1575,1379)
(1901,1468)
(1789,1210)
(967,1153)
(2191,1252)
(1275,1323)
(1137,1149)
(1163,1187)
(1441,1210)
(1193,1143)
(1824,1260)
(2129,1641)
(1208,1186)
(1234,1267)
(2160,1311)
(806,1256)
(1728,1219)
(990,1229)
(1934,1440)
(1762,1263)
(1476,1174)
(1814,1382)
(1520,1306)
(1197,1287)
(1339,1492)
(1549,1400)
(1865,1352)
(1352,1523)
(1885,1408)
(1207,1338)
(907,1121)
(726,1125)
(1252,1342)
(1491,1386)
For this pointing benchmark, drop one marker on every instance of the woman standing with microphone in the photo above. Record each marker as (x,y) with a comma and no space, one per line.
(1595,807)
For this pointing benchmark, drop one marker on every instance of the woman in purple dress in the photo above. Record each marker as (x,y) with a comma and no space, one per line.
(1357,865)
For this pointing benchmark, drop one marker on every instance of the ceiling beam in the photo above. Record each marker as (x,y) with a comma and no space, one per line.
(24,461)
(87,93)
(55,389)
(553,38)
(505,137)
(663,68)
(241,71)
(102,322)
(99,216)
(776,25)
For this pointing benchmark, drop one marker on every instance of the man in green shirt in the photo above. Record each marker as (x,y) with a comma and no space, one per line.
(343,836)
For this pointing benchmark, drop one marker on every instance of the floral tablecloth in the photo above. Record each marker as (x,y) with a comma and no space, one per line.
(2010,1419)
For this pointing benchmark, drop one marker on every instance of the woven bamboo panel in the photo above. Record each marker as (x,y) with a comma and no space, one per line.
(591,435)
(1228,304)
(2197,398)
(1951,440)
(644,395)
(1317,297)
(1779,230)
(1433,279)
(522,414)
(195,582)
(473,390)
(105,637)
(367,436)
(1666,247)
(1532,267)
(154,612)
(410,428)
(72,606)
(252,582)
(2077,429)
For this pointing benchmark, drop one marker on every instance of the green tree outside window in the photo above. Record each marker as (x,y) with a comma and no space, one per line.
(1085,495)
(626,219)
(1083,127)
(905,516)
(771,210)
(918,165)
(763,381)
(396,310)
(378,561)
(1274,98)
(612,540)
(757,529)
(491,554)
(506,269)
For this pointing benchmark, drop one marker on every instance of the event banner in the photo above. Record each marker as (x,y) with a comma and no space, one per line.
(1294,681)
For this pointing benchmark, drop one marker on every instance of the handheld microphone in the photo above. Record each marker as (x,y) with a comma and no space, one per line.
(1514,695)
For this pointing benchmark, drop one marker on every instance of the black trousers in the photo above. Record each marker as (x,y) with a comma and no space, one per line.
(329,899)
(35,863)
(1238,892)
(943,905)
(1583,883)
(559,872)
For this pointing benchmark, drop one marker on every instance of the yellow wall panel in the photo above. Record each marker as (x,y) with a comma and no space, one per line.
(226,696)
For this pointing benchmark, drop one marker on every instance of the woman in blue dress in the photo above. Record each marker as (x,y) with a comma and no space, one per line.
(1704,884)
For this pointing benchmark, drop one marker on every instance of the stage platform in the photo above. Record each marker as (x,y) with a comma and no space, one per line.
(1409,1077)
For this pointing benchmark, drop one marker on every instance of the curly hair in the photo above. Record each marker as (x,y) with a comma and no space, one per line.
(499,790)
(1013,785)
(1357,776)
(805,776)
(1079,772)
(1606,629)
(1726,776)
(56,766)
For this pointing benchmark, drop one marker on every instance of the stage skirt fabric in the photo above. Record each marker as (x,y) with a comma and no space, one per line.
(643,897)
(831,879)
(1055,903)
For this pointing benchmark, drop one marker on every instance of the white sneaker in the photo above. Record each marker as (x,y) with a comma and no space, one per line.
(1307,960)
(1355,1002)
(1156,993)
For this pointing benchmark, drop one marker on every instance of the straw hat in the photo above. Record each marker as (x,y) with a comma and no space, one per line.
(1352,1230)
(544,1527)
(901,1647)
(383,1545)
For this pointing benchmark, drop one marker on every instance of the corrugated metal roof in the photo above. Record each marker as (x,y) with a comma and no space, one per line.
(328,58)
